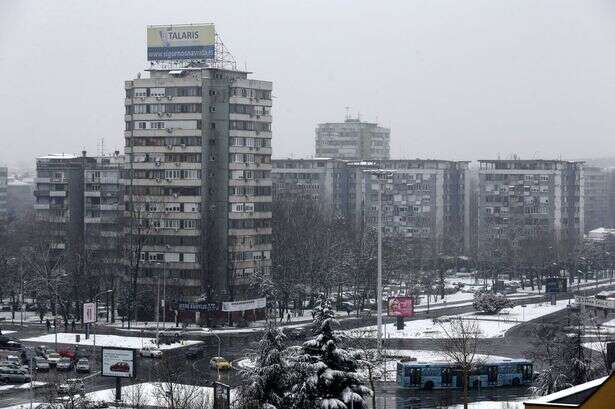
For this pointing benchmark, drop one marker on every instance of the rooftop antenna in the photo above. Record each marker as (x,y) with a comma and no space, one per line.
(347,112)
(101,146)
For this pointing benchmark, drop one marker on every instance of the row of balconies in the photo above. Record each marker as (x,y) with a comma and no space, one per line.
(249,215)
(163,149)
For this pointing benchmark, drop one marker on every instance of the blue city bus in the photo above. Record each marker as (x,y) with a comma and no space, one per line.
(444,375)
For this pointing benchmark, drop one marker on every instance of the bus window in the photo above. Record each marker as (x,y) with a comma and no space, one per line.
(446,377)
(492,375)
(527,372)
(415,376)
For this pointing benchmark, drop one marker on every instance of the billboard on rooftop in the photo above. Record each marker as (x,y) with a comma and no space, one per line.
(181,42)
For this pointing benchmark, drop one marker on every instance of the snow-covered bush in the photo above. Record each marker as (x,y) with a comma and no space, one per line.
(490,303)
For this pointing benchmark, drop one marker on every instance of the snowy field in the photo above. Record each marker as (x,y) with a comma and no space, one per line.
(150,393)
(107,341)
(490,326)
(35,384)
(7,332)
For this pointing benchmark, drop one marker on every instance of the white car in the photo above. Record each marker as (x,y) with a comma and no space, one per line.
(83,365)
(53,358)
(150,351)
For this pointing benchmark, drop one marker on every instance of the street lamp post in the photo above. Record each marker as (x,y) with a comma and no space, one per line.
(381,176)
(96,315)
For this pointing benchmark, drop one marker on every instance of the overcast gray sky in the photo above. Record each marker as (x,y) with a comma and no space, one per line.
(453,79)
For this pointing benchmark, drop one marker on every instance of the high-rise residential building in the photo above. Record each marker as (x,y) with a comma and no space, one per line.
(352,140)
(530,198)
(3,194)
(422,199)
(197,178)
(19,198)
(321,179)
(596,200)
(79,200)
(59,200)
(103,201)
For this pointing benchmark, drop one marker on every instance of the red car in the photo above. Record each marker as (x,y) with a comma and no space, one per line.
(120,367)
(67,353)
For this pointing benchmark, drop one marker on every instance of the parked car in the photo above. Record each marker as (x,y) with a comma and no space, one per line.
(346,306)
(71,387)
(151,352)
(194,352)
(41,364)
(64,364)
(67,353)
(53,358)
(83,365)
(219,363)
(13,375)
(14,359)
(9,344)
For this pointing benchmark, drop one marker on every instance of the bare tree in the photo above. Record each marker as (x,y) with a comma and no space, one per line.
(459,346)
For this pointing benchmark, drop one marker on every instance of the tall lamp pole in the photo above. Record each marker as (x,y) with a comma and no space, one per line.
(381,175)
(96,315)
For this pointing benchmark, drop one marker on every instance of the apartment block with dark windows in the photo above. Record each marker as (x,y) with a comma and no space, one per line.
(530,198)
(197,178)
(352,140)
(596,201)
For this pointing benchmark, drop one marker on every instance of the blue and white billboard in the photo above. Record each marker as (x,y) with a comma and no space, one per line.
(181,42)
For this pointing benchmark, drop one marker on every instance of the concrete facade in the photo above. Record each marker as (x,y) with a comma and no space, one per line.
(533,196)
(198,147)
(3,194)
(424,199)
(352,140)
(596,188)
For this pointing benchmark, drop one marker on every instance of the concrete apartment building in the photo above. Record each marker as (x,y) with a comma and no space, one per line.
(531,196)
(352,140)
(197,172)
(19,198)
(102,222)
(320,179)
(424,199)
(596,201)
(59,188)
(3,194)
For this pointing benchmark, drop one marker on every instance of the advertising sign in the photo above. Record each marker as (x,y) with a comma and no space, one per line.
(197,306)
(89,312)
(181,42)
(232,306)
(400,307)
(118,362)
(556,285)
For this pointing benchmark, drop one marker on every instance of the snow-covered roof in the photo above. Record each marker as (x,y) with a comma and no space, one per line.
(58,156)
(547,399)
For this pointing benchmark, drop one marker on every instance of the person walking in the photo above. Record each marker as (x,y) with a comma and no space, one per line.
(48,325)
(72,326)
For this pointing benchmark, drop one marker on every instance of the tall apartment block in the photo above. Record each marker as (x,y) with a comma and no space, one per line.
(78,198)
(322,180)
(531,196)
(596,189)
(103,201)
(59,200)
(352,140)
(20,198)
(197,175)
(422,199)
(3,194)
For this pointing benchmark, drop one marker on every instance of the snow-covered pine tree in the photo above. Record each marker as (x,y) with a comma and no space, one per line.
(327,374)
(267,383)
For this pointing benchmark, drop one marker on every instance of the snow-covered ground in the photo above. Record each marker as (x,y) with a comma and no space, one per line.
(150,393)
(493,405)
(107,341)
(7,332)
(35,384)
(490,326)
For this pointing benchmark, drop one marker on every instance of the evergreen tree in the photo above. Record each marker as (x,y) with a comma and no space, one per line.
(326,374)
(267,384)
